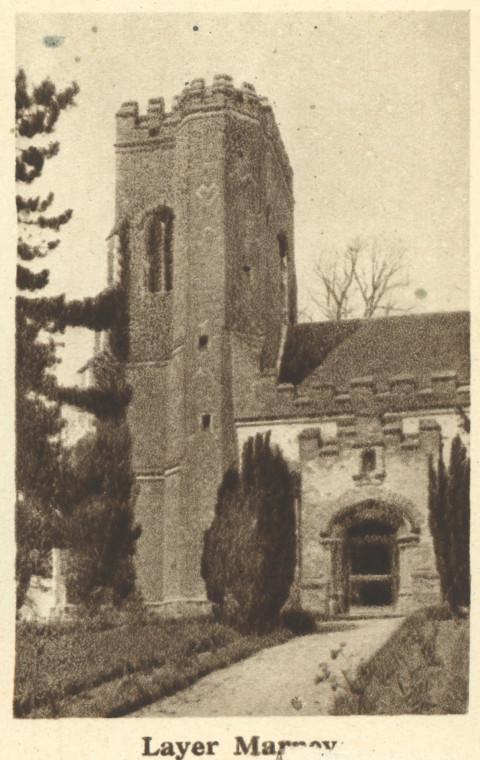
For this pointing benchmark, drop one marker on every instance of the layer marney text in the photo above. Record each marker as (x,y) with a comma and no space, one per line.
(255,747)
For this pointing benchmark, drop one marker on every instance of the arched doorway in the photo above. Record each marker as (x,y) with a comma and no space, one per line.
(371,559)
(365,539)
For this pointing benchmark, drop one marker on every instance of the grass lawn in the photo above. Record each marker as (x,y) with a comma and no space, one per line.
(106,670)
(422,669)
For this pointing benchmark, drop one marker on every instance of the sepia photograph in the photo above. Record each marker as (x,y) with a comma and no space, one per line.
(242,369)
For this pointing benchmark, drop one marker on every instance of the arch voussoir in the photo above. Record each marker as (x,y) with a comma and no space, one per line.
(374,501)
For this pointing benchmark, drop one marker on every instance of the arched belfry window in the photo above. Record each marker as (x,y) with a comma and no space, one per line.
(159,254)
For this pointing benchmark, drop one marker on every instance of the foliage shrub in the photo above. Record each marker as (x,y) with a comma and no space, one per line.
(422,669)
(36,527)
(248,560)
(449,520)
(298,621)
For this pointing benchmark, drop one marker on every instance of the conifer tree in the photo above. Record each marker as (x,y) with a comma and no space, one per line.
(82,501)
(248,560)
(449,520)
(101,531)
(100,527)
(38,419)
(458,525)
(437,515)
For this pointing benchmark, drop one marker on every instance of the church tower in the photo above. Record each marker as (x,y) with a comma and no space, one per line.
(204,196)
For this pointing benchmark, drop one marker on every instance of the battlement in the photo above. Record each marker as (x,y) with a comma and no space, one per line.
(158,127)
(399,431)
(362,395)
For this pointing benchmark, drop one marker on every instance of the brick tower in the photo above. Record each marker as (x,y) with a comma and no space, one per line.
(205,193)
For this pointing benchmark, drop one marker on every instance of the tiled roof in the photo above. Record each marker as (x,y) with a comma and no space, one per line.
(413,344)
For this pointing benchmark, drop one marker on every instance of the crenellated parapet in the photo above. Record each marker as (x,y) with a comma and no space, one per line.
(153,129)
(394,432)
(158,127)
(365,396)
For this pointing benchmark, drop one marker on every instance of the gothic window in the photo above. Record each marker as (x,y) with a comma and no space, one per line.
(159,273)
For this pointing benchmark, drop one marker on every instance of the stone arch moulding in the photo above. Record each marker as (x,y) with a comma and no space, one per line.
(397,506)
(163,210)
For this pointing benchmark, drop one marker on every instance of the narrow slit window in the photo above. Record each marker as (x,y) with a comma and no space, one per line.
(282,247)
(167,252)
(206,421)
(287,307)
(369,460)
(202,341)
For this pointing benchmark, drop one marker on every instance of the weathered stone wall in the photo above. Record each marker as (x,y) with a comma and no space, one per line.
(147,416)
(260,209)
(329,453)
(149,512)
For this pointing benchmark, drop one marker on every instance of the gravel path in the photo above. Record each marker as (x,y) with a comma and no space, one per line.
(283,680)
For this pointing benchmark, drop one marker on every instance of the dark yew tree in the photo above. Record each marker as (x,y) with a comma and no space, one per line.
(458,525)
(437,516)
(38,419)
(100,524)
(249,554)
(449,520)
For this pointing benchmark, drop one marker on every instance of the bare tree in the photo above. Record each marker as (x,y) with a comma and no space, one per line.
(363,280)
(380,277)
(337,279)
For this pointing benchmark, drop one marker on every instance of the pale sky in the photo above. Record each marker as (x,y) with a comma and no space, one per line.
(372,107)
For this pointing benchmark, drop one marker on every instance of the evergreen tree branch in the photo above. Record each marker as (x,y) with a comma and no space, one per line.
(38,113)
(97,313)
(52,223)
(29,164)
(34,204)
(27,280)
(109,403)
